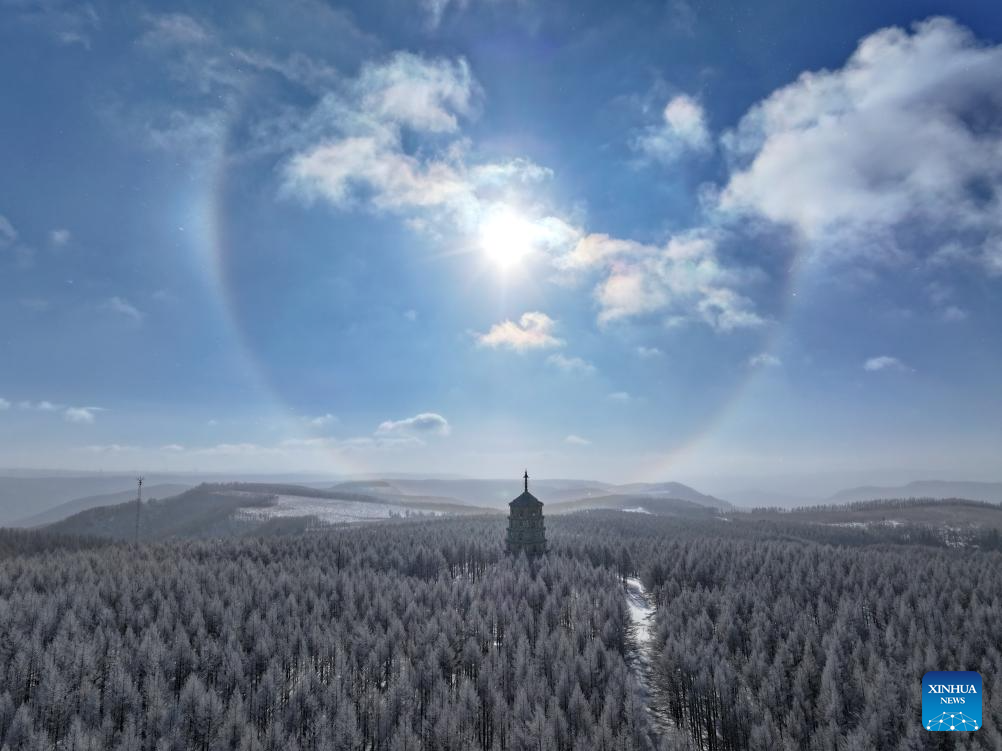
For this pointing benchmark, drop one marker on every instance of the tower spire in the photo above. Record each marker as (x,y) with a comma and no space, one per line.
(526,478)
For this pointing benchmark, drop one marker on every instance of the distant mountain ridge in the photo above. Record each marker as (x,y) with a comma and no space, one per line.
(990,492)
(65,510)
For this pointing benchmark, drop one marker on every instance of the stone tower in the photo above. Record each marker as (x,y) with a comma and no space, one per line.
(526,531)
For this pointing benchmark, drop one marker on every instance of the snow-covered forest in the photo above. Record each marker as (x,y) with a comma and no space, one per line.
(423,635)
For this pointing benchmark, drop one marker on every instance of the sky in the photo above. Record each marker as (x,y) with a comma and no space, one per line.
(619,241)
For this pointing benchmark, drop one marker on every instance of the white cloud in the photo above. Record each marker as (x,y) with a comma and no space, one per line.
(683,128)
(683,280)
(81,414)
(123,307)
(764,360)
(576,440)
(174,448)
(4,404)
(42,406)
(174,30)
(570,364)
(426,423)
(351,149)
(902,142)
(598,249)
(648,353)
(59,237)
(620,396)
(884,362)
(111,448)
(411,315)
(534,330)
(435,9)
(321,421)
(953,314)
(7,232)
(67,21)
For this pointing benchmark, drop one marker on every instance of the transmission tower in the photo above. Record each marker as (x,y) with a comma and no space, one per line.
(139,503)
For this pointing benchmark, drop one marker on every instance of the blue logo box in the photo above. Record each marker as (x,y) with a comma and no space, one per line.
(951,700)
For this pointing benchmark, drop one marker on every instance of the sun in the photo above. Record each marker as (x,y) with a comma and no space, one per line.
(506,237)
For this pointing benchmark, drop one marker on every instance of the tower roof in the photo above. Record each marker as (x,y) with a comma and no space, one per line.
(526,499)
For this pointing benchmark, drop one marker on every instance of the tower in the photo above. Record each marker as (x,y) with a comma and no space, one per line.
(526,530)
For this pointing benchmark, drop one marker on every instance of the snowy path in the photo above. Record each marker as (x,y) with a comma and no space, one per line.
(642,615)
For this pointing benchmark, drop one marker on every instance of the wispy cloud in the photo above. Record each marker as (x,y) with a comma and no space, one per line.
(954,314)
(622,397)
(884,362)
(426,423)
(321,421)
(123,307)
(111,448)
(67,21)
(682,129)
(570,364)
(576,440)
(648,353)
(764,360)
(59,237)
(534,330)
(4,404)
(7,232)
(85,415)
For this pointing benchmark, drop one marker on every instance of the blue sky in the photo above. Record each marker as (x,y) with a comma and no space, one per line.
(620,241)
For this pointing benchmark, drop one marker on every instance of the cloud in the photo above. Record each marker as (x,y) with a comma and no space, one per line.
(570,364)
(123,307)
(684,280)
(59,237)
(683,128)
(4,405)
(648,353)
(411,315)
(426,423)
(84,415)
(534,330)
(620,396)
(67,21)
(390,141)
(435,9)
(7,232)
(888,158)
(576,440)
(174,30)
(764,360)
(110,448)
(321,421)
(884,362)
(597,249)
(42,406)
(174,448)
(953,314)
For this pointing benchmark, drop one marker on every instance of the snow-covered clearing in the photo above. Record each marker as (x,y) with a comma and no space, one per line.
(331,510)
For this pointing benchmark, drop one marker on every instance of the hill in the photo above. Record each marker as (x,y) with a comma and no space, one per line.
(640,504)
(26,496)
(952,521)
(233,509)
(975,491)
(203,511)
(64,510)
(497,493)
